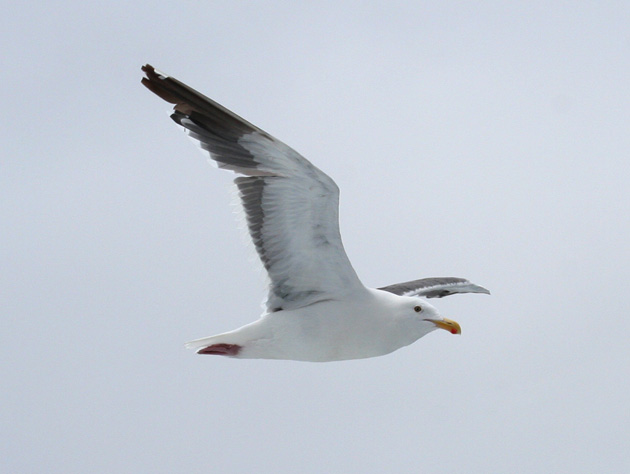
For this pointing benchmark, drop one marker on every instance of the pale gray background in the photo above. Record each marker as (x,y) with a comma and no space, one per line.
(485,140)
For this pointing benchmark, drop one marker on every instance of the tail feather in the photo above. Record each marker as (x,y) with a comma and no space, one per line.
(202,343)
(228,343)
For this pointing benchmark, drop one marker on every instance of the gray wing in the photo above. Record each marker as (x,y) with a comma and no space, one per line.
(291,206)
(434,287)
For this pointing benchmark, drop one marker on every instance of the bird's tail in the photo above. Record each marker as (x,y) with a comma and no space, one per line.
(202,343)
(226,344)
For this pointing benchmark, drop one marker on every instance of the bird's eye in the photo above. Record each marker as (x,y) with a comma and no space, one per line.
(417,309)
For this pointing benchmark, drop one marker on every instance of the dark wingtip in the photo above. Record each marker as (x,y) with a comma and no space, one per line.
(155,83)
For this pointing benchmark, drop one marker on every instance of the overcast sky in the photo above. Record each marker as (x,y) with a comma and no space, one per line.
(484,140)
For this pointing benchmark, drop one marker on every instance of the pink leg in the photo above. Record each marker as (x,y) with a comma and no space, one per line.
(221,349)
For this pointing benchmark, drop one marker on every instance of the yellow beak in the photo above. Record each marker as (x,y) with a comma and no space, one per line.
(448,324)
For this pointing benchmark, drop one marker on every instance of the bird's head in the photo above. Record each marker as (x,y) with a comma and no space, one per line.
(428,317)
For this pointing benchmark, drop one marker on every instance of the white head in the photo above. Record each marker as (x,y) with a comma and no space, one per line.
(419,317)
(428,315)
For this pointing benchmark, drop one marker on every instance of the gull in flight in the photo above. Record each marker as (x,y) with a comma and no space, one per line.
(317,309)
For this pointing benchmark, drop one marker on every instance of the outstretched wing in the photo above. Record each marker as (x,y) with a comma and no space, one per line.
(434,287)
(291,206)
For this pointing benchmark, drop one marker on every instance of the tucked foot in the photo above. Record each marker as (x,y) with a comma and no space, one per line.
(221,349)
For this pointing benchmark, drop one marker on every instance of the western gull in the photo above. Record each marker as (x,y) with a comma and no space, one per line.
(317,309)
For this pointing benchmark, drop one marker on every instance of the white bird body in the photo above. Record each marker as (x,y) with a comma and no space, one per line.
(317,308)
(368,323)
